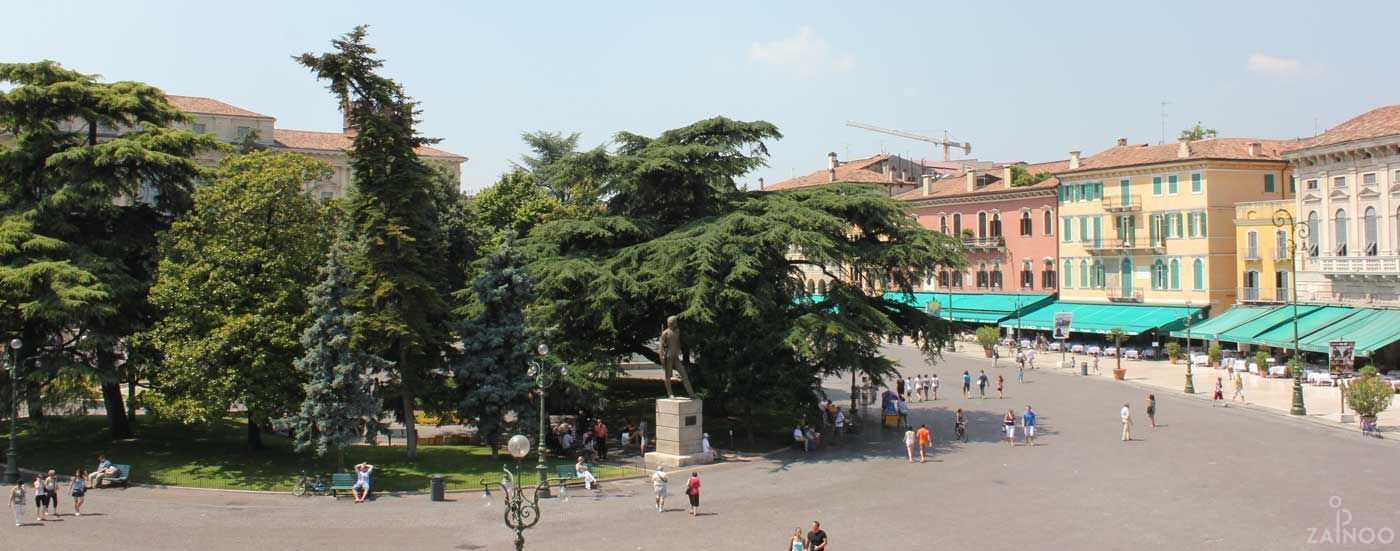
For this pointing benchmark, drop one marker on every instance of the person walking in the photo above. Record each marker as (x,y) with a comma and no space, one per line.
(1028,425)
(1008,423)
(982,381)
(909,441)
(840,426)
(51,488)
(1021,374)
(1219,394)
(933,385)
(1127,416)
(903,406)
(967,384)
(41,499)
(960,425)
(816,539)
(600,432)
(1095,358)
(1239,388)
(692,490)
(1030,357)
(79,489)
(17,501)
(925,439)
(899,387)
(796,542)
(1001,385)
(1021,359)
(1152,409)
(658,484)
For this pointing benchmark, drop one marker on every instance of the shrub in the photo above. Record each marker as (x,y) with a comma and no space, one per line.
(1369,395)
(1174,350)
(1214,353)
(988,336)
(1261,359)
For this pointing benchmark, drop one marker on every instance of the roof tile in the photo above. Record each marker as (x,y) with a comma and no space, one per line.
(206,106)
(1376,123)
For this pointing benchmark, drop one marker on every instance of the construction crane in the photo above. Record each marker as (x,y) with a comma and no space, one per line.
(945,142)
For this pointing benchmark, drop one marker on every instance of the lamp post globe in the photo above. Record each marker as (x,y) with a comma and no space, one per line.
(16,344)
(542,349)
(12,455)
(519,446)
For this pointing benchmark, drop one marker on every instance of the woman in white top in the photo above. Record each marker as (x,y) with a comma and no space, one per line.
(909,443)
(41,498)
(17,502)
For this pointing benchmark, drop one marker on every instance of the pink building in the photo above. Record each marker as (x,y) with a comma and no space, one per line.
(1009,230)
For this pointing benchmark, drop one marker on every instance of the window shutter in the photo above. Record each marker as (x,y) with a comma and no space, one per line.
(1156,185)
(1171,184)
(1268,183)
(1195,183)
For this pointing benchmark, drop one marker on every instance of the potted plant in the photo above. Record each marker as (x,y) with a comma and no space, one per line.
(1116,335)
(988,337)
(967,233)
(1368,395)
(1214,354)
(1173,351)
(1261,359)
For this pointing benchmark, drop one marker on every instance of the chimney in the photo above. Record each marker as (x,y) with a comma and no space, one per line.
(1122,142)
(904,175)
(760,183)
(1255,149)
(927,181)
(345,126)
(1073,160)
(889,173)
(1183,148)
(1006,176)
(831,162)
(971,181)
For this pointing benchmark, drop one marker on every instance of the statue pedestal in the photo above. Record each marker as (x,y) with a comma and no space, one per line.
(679,428)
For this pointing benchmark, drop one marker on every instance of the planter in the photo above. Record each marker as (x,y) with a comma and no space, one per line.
(1119,373)
(987,351)
(1173,361)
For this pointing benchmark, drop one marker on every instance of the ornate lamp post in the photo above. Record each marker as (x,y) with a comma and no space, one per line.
(1190,379)
(1296,230)
(522,508)
(12,456)
(544,377)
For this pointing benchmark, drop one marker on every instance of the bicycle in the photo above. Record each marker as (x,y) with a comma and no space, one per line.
(960,432)
(1369,428)
(317,485)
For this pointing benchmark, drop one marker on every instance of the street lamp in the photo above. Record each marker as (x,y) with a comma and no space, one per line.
(544,377)
(12,456)
(1296,230)
(522,511)
(1190,382)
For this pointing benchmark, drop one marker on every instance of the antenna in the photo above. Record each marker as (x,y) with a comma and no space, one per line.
(1163,139)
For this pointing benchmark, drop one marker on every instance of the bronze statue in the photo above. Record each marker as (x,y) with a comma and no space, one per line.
(671,357)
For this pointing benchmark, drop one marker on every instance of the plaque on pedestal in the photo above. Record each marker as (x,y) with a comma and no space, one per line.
(679,428)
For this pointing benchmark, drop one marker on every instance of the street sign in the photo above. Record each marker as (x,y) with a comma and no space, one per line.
(1062,322)
(933,307)
(1340,355)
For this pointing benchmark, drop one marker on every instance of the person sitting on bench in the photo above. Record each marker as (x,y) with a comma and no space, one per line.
(360,491)
(581,469)
(104,469)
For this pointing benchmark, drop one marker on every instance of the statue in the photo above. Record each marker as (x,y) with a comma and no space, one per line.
(671,357)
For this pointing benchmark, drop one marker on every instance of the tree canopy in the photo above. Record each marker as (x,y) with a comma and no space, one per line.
(1197,132)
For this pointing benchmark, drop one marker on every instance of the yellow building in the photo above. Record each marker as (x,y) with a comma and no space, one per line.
(1262,267)
(1154,224)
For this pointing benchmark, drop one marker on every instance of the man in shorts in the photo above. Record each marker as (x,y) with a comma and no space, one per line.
(360,490)
(967,384)
(925,440)
(658,484)
(1028,425)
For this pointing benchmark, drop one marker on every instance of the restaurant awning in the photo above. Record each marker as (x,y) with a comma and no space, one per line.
(1370,328)
(1314,321)
(988,308)
(1247,332)
(1213,327)
(1102,318)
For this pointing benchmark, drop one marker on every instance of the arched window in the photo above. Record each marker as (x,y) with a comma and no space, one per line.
(943,224)
(1047,275)
(957,280)
(821,287)
(1027,275)
(982,224)
(1313,236)
(1198,275)
(995,276)
(943,279)
(957,224)
(996,225)
(1084,281)
(982,280)
(1049,221)
(1026,225)
(1370,227)
(1176,274)
(1339,233)
(1069,274)
(811,287)
(1159,274)
(1099,278)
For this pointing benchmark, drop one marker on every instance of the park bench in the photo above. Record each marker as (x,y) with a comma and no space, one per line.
(341,482)
(565,473)
(122,476)
(401,433)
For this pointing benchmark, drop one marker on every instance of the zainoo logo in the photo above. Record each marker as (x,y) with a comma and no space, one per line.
(1342,532)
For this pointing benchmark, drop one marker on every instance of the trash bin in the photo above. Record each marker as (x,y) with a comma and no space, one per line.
(1084,368)
(437,487)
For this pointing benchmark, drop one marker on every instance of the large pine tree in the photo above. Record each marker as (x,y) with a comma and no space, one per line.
(340,405)
(399,265)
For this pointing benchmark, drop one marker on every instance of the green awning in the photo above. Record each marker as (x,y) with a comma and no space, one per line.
(1371,329)
(987,308)
(1249,331)
(1102,318)
(1316,320)
(1230,319)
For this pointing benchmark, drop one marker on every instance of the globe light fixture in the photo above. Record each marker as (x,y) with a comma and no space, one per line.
(519,446)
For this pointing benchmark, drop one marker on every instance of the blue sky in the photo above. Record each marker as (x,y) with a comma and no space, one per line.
(1021,81)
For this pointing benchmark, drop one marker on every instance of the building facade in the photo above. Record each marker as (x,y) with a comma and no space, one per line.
(1348,182)
(1263,262)
(1154,224)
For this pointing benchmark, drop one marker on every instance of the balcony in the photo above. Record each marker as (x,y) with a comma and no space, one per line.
(1281,294)
(1355,267)
(1119,294)
(994,243)
(1250,253)
(1118,247)
(1121,203)
(1255,294)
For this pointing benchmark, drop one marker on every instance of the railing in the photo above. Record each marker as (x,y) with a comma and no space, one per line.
(1249,294)
(1121,203)
(1119,294)
(1251,253)
(1118,245)
(1355,265)
(984,242)
(1281,253)
(1281,294)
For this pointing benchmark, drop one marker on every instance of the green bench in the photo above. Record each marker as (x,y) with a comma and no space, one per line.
(341,482)
(122,476)
(565,473)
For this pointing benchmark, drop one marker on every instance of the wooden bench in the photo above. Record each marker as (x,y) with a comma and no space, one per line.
(401,433)
(342,482)
(565,473)
(122,476)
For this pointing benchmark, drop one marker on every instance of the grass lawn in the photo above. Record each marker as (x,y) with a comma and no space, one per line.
(215,456)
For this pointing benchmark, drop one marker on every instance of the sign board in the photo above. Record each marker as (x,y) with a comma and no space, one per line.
(1062,322)
(1340,354)
(933,307)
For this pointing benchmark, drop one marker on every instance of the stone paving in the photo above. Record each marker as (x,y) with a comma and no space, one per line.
(1207,478)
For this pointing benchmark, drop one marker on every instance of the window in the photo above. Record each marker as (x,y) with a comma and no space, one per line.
(1069,274)
(1195,182)
(957,224)
(1268,183)
(811,287)
(1171,184)
(1047,276)
(1396,178)
(1339,240)
(1049,222)
(1313,237)
(1156,185)
(1097,230)
(1027,226)
(1251,247)
(1084,282)
(243,132)
(982,279)
(981,224)
(327,195)
(1083,228)
(1191,224)
(1281,286)
(1198,275)
(1370,228)
(996,224)
(821,287)
(1159,274)
(1176,225)
(996,276)
(1339,182)
(1368,179)
(1312,184)
(1202,224)
(1251,285)
(198,128)
(1067,234)
(943,224)
(1293,184)
(1098,274)
(957,280)
(1280,245)
(1176,274)
(943,279)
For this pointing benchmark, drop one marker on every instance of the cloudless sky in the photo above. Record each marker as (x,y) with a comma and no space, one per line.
(1019,80)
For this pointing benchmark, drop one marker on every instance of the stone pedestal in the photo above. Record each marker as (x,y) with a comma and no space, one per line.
(679,428)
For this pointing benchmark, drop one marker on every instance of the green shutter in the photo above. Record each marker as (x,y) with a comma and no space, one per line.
(1293,185)
(1171,184)
(1083,228)
(1202,223)
(1065,235)
(1069,274)
(1268,183)
(1176,274)
(1198,272)
(1097,235)
(1195,183)
(1156,185)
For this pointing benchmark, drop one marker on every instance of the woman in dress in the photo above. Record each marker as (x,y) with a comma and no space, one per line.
(909,443)
(1009,424)
(1152,409)
(692,490)
(796,541)
(1000,383)
(79,490)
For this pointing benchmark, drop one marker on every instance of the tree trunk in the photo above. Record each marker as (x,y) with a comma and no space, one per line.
(410,430)
(33,400)
(854,392)
(131,398)
(118,423)
(255,441)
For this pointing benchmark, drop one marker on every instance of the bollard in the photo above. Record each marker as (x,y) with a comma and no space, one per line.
(437,487)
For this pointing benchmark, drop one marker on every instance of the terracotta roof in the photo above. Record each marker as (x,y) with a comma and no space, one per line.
(336,141)
(1210,148)
(853,172)
(956,185)
(206,106)
(1376,123)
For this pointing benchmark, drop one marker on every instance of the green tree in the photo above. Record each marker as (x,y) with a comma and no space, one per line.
(340,406)
(496,344)
(515,203)
(398,265)
(232,285)
(1197,132)
(74,262)
(569,176)
(1021,177)
(680,238)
